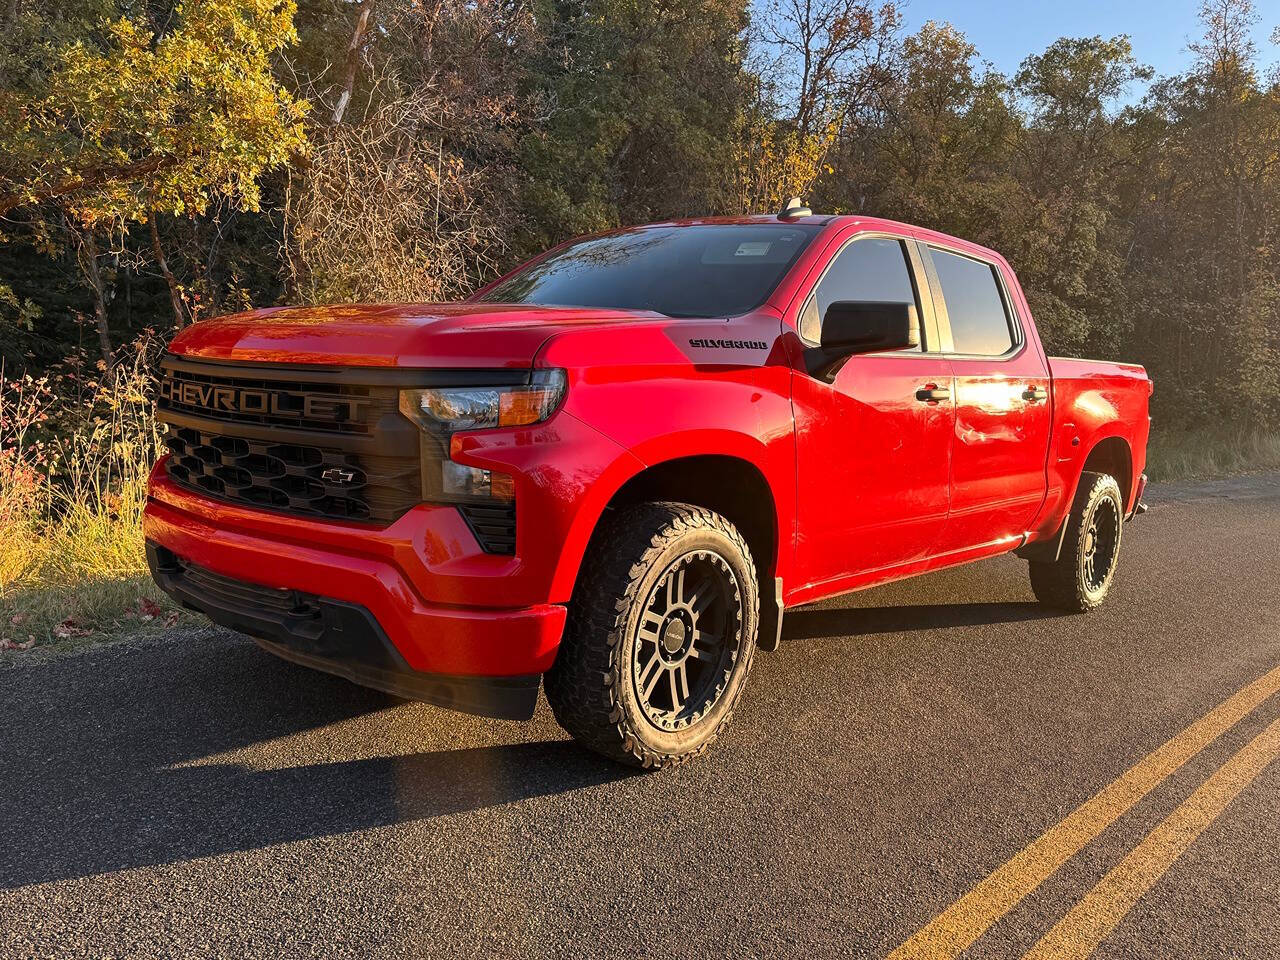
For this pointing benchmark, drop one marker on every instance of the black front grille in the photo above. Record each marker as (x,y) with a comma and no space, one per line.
(299,478)
(494,525)
(312,441)
(316,443)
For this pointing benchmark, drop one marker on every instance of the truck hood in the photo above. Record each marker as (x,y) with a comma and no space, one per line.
(392,335)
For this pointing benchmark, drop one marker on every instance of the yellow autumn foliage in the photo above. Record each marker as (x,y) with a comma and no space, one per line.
(130,123)
(774,162)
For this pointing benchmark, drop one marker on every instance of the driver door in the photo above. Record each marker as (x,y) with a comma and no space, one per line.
(873,448)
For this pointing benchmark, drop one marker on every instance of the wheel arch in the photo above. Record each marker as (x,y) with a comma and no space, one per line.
(731,486)
(1111,455)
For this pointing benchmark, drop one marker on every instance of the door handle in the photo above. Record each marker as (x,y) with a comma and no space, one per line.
(1035,394)
(932,394)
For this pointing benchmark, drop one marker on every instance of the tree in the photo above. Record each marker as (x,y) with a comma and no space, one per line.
(145,121)
(832,51)
(1065,237)
(1205,218)
(412,196)
(931,144)
(124,122)
(773,161)
(640,101)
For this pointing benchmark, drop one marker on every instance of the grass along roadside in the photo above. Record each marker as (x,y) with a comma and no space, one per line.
(74,457)
(1208,453)
(79,577)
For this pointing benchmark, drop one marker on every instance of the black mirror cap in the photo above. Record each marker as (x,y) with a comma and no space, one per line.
(868,326)
(862,326)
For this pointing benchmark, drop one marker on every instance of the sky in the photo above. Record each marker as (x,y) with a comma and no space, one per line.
(1006,31)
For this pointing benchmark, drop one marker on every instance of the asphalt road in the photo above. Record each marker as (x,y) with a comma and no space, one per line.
(192,796)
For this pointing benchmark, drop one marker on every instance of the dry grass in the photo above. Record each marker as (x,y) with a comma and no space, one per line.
(73,471)
(1205,453)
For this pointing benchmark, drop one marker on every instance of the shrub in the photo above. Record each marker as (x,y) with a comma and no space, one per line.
(75,452)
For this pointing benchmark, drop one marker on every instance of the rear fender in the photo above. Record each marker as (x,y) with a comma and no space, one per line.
(1068,460)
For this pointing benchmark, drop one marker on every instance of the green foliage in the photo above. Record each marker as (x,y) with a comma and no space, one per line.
(127,120)
(641,102)
(74,459)
(1141,214)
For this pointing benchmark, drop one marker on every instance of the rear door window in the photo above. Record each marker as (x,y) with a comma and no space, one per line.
(980,322)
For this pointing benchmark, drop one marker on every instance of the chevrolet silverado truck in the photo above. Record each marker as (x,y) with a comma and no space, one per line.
(610,472)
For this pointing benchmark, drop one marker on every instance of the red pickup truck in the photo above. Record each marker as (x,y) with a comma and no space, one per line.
(615,467)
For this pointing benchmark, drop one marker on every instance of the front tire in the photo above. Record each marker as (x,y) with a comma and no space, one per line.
(1080,579)
(660,635)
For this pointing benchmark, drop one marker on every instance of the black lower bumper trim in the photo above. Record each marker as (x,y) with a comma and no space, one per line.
(334,636)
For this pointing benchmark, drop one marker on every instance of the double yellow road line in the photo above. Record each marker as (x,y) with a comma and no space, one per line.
(1086,925)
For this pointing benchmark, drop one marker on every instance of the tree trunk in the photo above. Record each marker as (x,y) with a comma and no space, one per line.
(89,261)
(353,62)
(175,297)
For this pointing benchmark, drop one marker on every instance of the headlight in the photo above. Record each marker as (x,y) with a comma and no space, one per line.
(451,409)
(442,411)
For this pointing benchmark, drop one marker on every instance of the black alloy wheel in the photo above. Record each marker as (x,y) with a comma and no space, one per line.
(660,637)
(1081,576)
(1101,546)
(685,640)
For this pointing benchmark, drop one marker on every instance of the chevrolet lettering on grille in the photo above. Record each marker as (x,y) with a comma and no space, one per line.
(288,403)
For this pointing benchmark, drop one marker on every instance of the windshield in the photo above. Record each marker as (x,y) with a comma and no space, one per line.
(706,270)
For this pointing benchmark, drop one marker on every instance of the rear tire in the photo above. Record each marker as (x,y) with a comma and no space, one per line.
(660,635)
(1081,577)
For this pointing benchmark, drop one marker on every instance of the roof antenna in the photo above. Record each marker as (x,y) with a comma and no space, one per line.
(794,209)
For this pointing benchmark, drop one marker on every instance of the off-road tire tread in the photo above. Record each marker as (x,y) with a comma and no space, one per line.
(1058,584)
(582,687)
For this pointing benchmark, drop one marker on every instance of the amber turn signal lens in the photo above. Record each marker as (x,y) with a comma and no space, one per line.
(502,486)
(519,408)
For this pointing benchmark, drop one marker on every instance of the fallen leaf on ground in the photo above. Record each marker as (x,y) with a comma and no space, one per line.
(69,628)
(6,644)
(148,609)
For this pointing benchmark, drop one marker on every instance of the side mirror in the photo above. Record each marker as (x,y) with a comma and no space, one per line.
(857,326)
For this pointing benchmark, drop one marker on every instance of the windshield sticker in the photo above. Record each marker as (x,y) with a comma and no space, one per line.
(753,248)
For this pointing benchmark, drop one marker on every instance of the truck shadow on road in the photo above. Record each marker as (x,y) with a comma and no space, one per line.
(157,753)
(103,760)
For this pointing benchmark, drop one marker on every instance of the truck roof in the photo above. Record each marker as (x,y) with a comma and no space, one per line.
(831,220)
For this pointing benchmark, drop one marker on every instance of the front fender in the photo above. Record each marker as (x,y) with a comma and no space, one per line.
(679,389)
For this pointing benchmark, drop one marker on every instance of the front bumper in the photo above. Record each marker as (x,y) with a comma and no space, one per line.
(333,636)
(432,624)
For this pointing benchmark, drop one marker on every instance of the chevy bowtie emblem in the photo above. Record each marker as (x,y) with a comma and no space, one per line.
(338,475)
